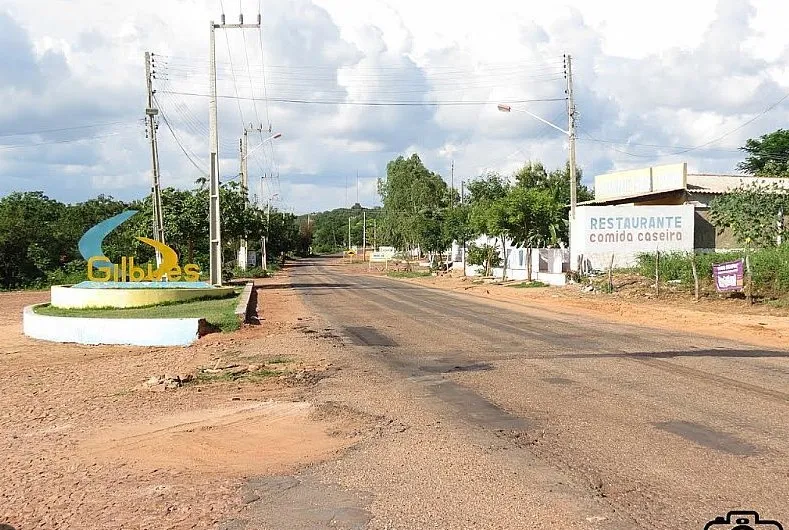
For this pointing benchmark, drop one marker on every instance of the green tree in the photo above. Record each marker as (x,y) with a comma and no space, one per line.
(768,155)
(529,215)
(488,214)
(486,256)
(413,198)
(754,213)
(29,243)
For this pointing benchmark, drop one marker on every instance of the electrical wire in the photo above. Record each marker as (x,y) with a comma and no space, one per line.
(77,127)
(230,58)
(372,103)
(177,141)
(52,142)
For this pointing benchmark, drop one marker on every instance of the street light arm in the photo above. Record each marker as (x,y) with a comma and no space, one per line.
(507,108)
(261,144)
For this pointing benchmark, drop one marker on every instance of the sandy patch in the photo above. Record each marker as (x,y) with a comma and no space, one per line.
(252,438)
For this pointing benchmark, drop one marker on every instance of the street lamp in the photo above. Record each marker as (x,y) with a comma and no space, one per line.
(261,144)
(570,134)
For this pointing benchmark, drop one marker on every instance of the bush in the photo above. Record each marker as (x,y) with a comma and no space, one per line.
(251,272)
(769,267)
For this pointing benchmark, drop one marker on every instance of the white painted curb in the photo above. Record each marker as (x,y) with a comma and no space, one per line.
(130,331)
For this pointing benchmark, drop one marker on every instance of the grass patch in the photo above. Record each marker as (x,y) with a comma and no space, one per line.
(219,312)
(229,376)
(408,274)
(526,285)
(770,268)
(278,360)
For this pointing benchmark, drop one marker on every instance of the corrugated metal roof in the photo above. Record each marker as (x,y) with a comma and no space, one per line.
(716,184)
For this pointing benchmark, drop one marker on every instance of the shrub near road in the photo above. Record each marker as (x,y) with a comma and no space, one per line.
(769,267)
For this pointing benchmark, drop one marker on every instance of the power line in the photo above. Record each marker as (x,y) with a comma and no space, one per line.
(230,58)
(51,142)
(263,68)
(177,141)
(77,127)
(371,103)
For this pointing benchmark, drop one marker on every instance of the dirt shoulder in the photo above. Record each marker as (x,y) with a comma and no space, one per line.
(733,319)
(88,444)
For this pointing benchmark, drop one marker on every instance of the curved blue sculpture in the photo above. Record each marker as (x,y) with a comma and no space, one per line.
(90,243)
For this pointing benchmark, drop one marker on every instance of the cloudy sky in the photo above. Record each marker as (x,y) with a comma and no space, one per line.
(351,85)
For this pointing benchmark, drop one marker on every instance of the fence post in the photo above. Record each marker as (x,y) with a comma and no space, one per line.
(657,273)
(749,291)
(611,275)
(695,274)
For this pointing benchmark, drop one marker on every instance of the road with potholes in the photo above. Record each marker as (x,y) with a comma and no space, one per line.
(513,417)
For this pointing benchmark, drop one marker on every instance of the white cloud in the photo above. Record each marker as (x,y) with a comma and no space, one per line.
(644,75)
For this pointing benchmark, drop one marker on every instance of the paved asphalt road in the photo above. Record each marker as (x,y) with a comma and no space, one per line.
(612,425)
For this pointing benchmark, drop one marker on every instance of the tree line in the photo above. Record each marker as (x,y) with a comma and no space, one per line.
(39,235)
(421,212)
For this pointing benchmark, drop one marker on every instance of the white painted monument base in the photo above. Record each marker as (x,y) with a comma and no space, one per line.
(128,331)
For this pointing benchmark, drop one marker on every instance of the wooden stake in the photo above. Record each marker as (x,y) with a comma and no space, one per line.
(695,274)
(749,286)
(611,275)
(657,273)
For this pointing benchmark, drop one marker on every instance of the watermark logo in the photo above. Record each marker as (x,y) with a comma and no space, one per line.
(100,269)
(742,520)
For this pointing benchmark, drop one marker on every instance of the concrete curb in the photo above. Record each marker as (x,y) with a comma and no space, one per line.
(247,303)
(130,331)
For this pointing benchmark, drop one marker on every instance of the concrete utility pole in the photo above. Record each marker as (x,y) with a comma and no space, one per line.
(215,231)
(571,132)
(156,188)
(462,190)
(265,238)
(242,247)
(364,234)
(349,232)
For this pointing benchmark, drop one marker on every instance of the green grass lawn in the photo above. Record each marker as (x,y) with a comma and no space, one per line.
(219,312)
(408,274)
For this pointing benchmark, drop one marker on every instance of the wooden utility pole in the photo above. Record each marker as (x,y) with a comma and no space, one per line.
(156,189)
(571,132)
(452,180)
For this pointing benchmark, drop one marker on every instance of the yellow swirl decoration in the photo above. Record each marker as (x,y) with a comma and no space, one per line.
(169,257)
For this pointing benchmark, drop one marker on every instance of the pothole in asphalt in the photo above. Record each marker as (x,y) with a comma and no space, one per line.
(301,502)
(368,336)
(477,410)
(442,366)
(707,437)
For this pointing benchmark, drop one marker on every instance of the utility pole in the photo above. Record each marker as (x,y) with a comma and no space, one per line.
(215,230)
(156,189)
(462,190)
(242,247)
(349,232)
(452,180)
(265,238)
(571,130)
(357,187)
(364,234)
(244,144)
